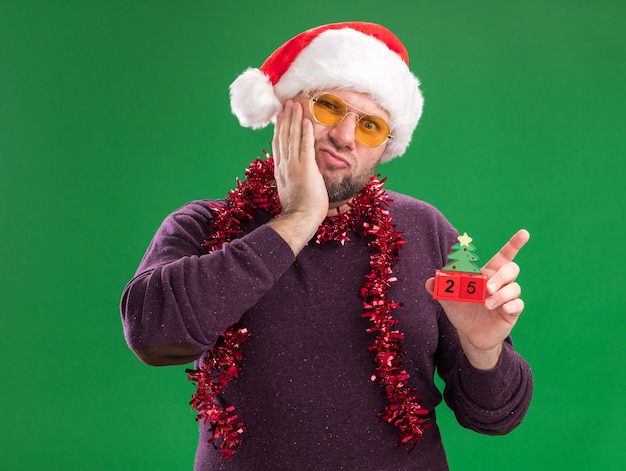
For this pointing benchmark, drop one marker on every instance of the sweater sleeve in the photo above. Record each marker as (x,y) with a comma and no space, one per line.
(180,294)
(492,402)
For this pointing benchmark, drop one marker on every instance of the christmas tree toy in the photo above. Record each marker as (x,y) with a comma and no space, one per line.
(461,279)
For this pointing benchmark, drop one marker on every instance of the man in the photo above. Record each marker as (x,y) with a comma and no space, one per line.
(305,297)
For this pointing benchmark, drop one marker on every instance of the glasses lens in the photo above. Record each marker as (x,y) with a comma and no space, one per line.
(372,130)
(329,109)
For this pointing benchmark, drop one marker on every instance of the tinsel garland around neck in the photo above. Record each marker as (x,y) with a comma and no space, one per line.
(367,216)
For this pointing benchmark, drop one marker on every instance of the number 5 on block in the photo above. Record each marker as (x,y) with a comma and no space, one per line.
(460,286)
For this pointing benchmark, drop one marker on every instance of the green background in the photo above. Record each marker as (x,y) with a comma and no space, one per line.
(113,114)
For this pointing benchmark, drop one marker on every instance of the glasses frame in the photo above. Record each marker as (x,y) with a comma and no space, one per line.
(313,99)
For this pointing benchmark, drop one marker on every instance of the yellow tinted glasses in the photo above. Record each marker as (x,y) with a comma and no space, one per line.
(329,110)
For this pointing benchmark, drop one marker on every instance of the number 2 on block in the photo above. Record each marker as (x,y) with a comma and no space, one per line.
(450,288)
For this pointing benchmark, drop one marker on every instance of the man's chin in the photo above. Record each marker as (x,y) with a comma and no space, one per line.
(343,190)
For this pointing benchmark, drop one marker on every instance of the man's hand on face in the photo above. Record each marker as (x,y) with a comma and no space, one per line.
(301,188)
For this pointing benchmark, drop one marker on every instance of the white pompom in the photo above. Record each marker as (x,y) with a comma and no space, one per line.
(252,99)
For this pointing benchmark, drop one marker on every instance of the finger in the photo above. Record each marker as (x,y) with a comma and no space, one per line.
(508,293)
(430,286)
(506,274)
(430,289)
(509,251)
(308,141)
(513,308)
(276,138)
(295,132)
(281,133)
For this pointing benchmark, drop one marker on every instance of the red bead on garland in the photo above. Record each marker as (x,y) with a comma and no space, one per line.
(367,216)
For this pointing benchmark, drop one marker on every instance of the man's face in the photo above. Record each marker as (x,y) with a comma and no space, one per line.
(345,163)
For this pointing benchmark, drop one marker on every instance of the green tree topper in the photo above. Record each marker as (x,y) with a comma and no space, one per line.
(463,256)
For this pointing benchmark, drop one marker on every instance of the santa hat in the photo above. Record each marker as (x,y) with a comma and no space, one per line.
(357,56)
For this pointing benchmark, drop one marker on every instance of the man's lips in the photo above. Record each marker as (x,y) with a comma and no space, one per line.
(334,159)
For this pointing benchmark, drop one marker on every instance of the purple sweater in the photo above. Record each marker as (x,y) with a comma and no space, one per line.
(305,392)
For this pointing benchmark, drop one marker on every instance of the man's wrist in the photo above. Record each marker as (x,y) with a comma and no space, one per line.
(482,359)
(296,229)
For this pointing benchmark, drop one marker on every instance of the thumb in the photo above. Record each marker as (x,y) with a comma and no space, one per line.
(430,286)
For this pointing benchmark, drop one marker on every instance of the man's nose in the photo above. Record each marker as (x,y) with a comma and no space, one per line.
(344,133)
